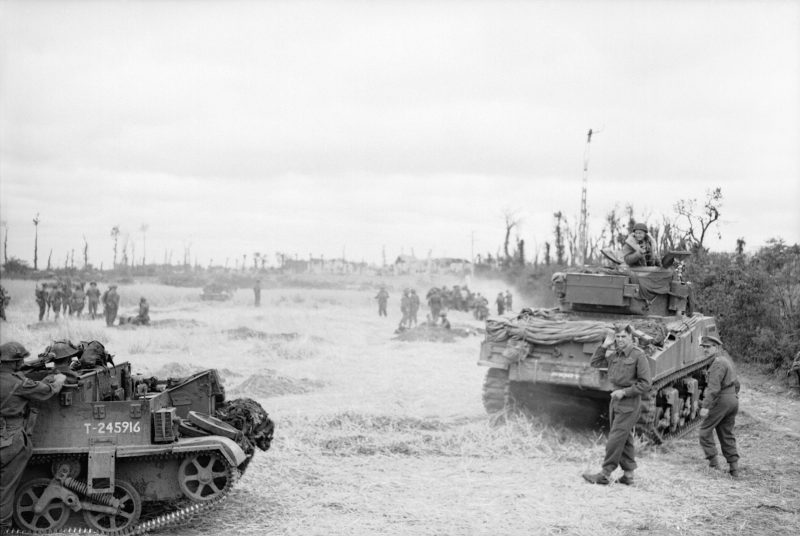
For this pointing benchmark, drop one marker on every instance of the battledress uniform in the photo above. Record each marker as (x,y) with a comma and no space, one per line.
(629,370)
(15,444)
(722,401)
(93,295)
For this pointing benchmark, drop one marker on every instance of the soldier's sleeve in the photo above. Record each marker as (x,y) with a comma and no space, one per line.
(599,359)
(33,390)
(644,376)
(713,385)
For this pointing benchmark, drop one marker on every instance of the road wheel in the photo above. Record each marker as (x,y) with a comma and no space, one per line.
(204,477)
(54,516)
(130,507)
(495,390)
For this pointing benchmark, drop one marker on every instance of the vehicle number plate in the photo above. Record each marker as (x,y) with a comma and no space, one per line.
(117,427)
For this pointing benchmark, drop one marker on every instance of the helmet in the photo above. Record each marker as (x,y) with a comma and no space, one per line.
(13,351)
(640,227)
(61,350)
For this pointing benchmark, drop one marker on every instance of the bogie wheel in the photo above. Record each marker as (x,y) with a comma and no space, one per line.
(54,516)
(130,507)
(204,477)
(495,390)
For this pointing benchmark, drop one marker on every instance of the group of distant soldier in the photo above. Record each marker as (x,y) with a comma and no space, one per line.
(441,300)
(63,298)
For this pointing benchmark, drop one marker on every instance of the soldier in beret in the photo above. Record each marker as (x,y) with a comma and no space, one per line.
(719,406)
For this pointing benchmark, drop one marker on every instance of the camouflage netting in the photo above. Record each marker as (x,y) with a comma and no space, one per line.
(247,415)
(551,327)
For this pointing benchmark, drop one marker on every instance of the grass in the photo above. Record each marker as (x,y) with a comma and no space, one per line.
(390,437)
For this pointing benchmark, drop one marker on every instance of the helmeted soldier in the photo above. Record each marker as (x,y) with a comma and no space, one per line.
(93,295)
(41,299)
(640,248)
(16,421)
(383,298)
(720,406)
(110,304)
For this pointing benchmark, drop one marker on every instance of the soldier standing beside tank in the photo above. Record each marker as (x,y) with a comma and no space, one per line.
(720,406)
(110,304)
(640,248)
(383,298)
(41,299)
(93,294)
(16,424)
(630,375)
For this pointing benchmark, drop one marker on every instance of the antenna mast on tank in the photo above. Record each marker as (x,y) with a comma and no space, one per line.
(582,239)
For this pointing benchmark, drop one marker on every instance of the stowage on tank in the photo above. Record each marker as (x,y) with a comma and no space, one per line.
(540,359)
(117,453)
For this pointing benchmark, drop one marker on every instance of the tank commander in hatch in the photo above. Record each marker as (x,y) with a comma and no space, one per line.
(630,375)
(16,422)
(640,248)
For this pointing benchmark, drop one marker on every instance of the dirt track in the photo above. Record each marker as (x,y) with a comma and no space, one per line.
(390,437)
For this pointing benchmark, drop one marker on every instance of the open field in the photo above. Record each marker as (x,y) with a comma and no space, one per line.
(379,436)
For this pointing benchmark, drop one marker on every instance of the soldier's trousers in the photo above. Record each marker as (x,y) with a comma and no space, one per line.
(93,309)
(619,447)
(382,309)
(14,458)
(111,315)
(721,418)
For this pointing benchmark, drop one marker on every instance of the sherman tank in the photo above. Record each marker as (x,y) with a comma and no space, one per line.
(540,359)
(117,453)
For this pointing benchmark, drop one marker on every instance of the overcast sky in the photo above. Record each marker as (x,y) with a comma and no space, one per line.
(341,127)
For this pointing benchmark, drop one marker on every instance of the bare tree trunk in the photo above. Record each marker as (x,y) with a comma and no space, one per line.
(36,243)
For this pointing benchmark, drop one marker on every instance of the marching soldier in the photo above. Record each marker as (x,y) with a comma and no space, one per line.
(16,422)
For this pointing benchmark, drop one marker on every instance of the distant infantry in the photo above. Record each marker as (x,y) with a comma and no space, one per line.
(143,317)
(640,248)
(4,299)
(509,301)
(720,406)
(78,301)
(256,293)
(445,321)
(66,297)
(93,295)
(56,299)
(630,375)
(16,422)
(501,303)
(405,309)
(434,302)
(383,298)
(41,299)
(414,308)
(110,304)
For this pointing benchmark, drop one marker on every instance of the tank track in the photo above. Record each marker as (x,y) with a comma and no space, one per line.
(165,516)
(649,429)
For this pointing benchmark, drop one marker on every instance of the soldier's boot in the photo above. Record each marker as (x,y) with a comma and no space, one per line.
(597,478)
(734,469)
(713,463)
